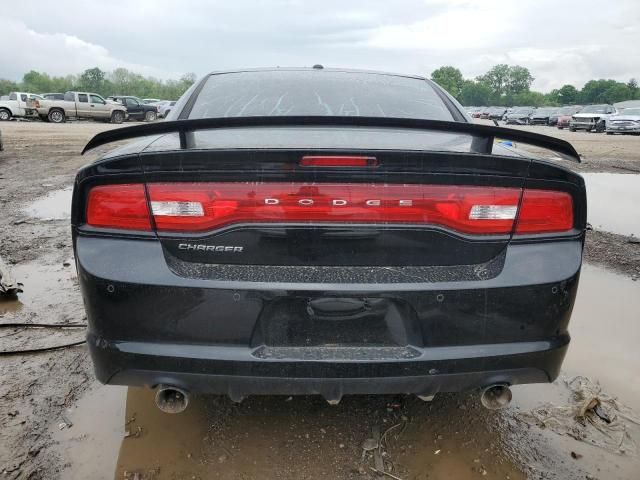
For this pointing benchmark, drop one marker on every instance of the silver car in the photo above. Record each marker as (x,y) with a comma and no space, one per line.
(165,108)
(627,121)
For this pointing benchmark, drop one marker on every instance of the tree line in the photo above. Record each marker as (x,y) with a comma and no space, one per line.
(502,85)
(118,82)
(507,85)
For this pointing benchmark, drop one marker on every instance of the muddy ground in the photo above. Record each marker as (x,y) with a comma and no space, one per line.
(57,422)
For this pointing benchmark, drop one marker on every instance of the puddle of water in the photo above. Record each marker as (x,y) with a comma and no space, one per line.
(453,437)
(605,333)
(9,305)
(270,437)
(612,200)
(42,285)
(46,287)
(55,205)
(90,446)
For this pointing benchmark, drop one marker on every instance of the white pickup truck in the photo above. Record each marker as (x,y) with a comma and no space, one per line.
(81,105)
(18,104)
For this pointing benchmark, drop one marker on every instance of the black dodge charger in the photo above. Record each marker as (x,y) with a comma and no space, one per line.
(332,232)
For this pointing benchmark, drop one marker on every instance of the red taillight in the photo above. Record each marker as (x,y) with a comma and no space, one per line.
(337,161)
(207,206)
(545,211)
(118,206)
(198,207)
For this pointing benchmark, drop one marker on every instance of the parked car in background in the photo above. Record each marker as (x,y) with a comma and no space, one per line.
(81,105)
(626,122)
(477,113)
(151,100)
(165,109)
(136,108)
(485,113)
(309,253)
(565,112)
(592,117)
(18,105)
(496,113)
(159,105)
(541,115)
(509,110)
(520,116)
(620,106)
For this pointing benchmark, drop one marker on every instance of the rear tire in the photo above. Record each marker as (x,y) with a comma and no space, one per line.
(56,116)
(600,127)
(5,115)
(117,117)
(571,129)
(150,116)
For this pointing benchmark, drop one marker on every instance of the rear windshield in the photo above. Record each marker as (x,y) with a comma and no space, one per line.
(318,92)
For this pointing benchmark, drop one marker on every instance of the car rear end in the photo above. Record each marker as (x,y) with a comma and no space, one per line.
(311,258)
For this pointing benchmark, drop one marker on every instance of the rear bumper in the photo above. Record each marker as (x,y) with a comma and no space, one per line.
(150,325)
(239,372)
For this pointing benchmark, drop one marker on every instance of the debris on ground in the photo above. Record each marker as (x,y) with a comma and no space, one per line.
(8,286)
(592,416)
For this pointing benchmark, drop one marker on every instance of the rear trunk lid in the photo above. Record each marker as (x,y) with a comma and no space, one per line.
(331,196)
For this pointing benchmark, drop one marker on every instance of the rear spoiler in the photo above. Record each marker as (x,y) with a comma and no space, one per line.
(483,135)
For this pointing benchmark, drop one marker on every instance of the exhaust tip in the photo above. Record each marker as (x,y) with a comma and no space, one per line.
(495,397)
(171,399)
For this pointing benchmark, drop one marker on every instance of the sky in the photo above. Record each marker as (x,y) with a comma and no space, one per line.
(560,41)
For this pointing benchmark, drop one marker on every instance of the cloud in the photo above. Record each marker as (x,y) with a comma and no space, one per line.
(56,53)
(466,27)
(560,42)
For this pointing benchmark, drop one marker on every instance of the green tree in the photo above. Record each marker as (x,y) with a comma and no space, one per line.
(593,91)
(92,80)
(7,86)
(449,78)
(616,93)
(36,82)
(497,79)
(529,98)
(632,85)
(519,80)
(567,95)
(474,93)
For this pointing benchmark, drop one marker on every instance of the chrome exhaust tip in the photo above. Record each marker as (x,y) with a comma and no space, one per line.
(495,397)
(171,399)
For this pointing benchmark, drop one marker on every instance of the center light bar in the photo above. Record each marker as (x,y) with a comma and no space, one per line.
(209,206)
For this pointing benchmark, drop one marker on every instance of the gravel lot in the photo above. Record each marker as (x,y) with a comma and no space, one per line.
(57,422)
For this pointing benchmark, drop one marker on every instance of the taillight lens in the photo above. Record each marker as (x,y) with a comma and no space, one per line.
(199,207)
(545,211)
(118,206)
(207,206)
